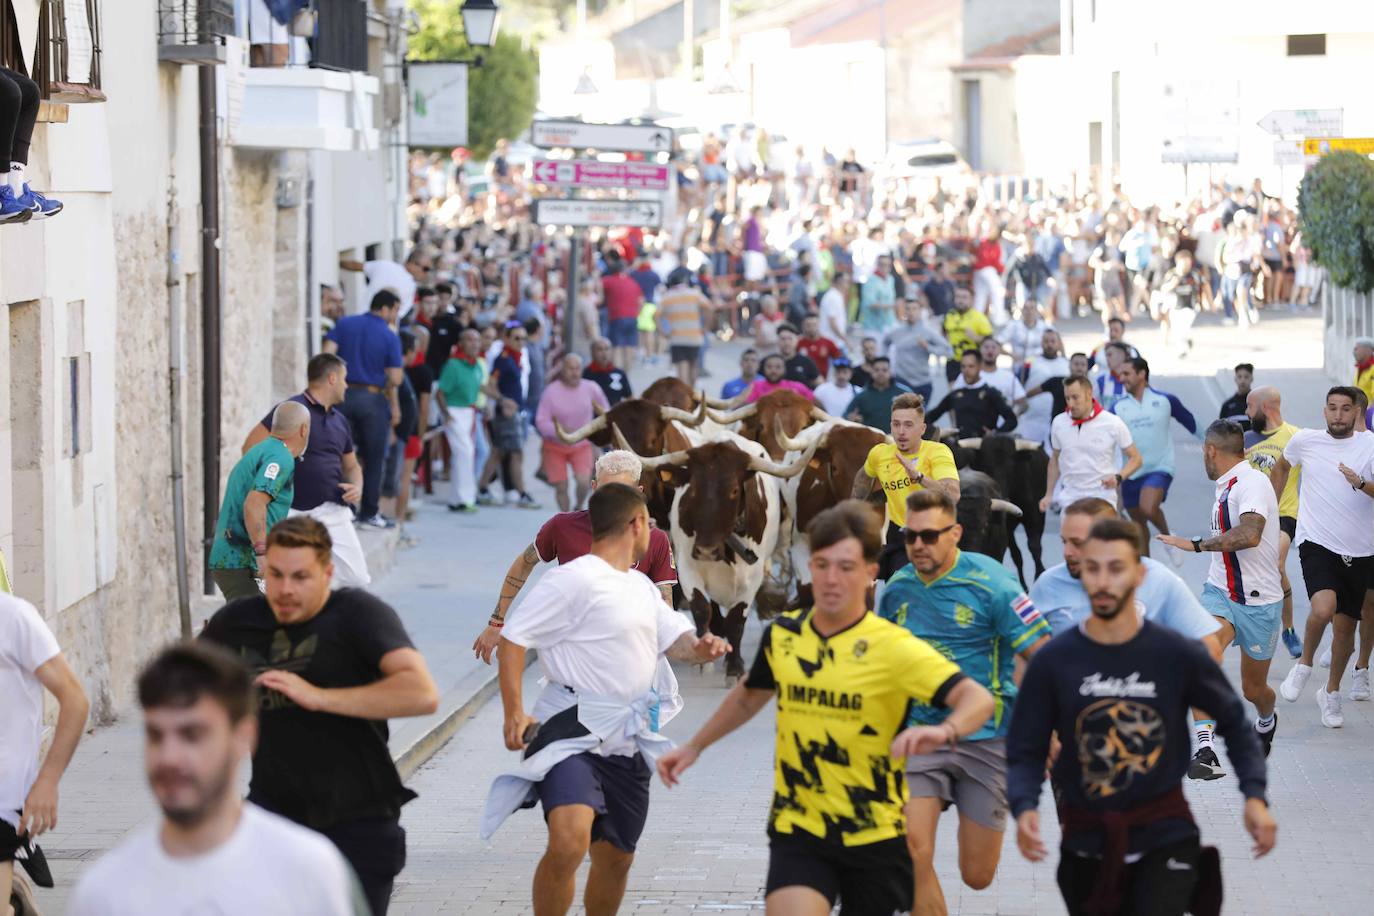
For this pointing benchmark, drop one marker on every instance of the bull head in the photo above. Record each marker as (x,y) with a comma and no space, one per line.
(679,459)
(667,414)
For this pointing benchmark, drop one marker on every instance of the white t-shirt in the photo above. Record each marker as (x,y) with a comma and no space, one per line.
(1035,422)
(1087,454)
(834,399)
(833,315)
(1330,513)
(268,866)
(26,644)
(1021,339)
(1004,380)
(598,630)
(1249,576)
(382,275)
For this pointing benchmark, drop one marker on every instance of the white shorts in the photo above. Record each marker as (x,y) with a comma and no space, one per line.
(755,266)
(350,564)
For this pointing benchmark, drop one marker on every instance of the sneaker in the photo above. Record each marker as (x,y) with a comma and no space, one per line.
(30,856)
(11,209)
(512,498)
(462,507)
(1292,642)
(1266,739)
(484,498)
(526,501)
(1205,765)
(1359,690)
(42,207)
(1330,706)
(378,521)
(1292,685)
(1324,660)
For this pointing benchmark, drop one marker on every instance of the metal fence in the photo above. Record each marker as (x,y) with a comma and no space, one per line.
(1346,315)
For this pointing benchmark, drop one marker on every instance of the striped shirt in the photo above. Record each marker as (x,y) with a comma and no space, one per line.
(679,312)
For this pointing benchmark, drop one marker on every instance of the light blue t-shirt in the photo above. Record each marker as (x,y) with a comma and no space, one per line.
(1163,596)
(1148,420)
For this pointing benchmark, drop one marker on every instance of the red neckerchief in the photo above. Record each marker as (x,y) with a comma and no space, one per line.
(462,357)
(1361,366)
(513,354)
(1097,409)
(601,367)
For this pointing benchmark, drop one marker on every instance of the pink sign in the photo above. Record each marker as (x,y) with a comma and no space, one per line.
(588,173)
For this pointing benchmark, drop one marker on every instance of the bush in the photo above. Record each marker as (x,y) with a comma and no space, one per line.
(1336,215)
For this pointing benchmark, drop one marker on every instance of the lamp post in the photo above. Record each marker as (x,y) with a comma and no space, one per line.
(480,21)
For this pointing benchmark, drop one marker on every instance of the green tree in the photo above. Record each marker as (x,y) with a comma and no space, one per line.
(501,93)
(1336,215)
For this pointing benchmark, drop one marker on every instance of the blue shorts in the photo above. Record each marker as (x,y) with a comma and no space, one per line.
(1257,625)
(1130,489)
(616,788)
(624,332)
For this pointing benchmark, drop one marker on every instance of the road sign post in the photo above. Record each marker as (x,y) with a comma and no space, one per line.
(588,173)
(1304,122)
(628,138)
(606,214)
(1320,146)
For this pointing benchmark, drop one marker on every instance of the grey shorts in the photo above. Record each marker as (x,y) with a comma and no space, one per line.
(971,776)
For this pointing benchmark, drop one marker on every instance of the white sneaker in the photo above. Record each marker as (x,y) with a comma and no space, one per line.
(1330,706)
(1360,689)
(1324,659)
(1292,685)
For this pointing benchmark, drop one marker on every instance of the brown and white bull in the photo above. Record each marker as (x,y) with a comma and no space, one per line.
(727,511)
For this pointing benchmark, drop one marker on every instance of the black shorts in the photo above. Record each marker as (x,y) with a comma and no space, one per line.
(1160,883)
(894,555)
(683,354)
(869,879)
(616,788)
(1348,577)
(9,842)
(1289,526)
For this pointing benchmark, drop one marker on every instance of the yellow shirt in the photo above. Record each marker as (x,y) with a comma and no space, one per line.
(1264,454)
(1364,380)
(933,459)
(966,330)
(841,700)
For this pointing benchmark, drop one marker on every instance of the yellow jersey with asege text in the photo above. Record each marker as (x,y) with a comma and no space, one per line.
(933,459)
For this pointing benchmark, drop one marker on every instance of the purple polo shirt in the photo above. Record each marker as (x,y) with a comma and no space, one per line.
(320,471)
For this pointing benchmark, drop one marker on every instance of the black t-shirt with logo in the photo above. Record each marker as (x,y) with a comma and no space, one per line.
(318,769)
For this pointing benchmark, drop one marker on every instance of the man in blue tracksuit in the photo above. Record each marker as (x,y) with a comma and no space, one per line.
(1147,411)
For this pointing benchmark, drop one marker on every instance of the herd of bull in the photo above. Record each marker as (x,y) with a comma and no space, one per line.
(736,487)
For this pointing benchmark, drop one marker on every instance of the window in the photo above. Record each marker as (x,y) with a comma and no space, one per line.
(1307,45)
(67,65)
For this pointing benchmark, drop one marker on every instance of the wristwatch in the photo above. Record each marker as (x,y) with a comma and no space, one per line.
(1197,543)
(1118,479)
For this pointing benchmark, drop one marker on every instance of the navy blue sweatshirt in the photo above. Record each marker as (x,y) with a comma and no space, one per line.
(1121,712)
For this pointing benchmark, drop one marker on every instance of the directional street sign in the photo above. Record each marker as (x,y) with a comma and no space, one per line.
(1318,146)
(647,214)
(1288,152)
(630,138)
(588,173)
(1305,122)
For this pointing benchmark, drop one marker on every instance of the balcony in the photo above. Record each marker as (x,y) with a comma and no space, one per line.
(306,84)
(194,31)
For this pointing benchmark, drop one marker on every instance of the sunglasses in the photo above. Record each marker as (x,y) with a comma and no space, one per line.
(929,536)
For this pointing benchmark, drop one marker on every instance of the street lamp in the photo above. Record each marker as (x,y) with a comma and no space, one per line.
(480,19)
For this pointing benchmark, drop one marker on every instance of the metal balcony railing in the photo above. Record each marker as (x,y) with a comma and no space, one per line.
(193,31)
(330,34)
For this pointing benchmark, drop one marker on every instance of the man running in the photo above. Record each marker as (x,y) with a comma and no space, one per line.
(972,611)
(999,377)
(568,536)
(1117,691)
(1084,441)
(910,462)
(1146,411)
(601,629)
(1243,589)
(1264,445)
(212,852)
(332,667)
(979,409)
(1111,387)
(842,680)
(1335,538)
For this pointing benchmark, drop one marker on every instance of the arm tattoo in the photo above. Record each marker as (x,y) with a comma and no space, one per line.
(863,485)
(531,556)
(1243,535)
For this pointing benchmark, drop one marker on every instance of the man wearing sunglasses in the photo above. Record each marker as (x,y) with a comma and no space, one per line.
(971,609)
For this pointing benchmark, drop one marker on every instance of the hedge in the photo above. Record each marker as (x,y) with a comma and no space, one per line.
(1336,215)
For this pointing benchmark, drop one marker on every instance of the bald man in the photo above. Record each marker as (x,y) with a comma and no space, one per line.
(1264,443)
(256,497)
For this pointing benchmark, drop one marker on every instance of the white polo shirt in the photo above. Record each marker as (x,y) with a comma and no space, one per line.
(1330,513)
(1249,576)
(1087,454)
(26,644)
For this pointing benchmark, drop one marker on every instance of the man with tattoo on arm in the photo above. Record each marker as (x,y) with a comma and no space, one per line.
(567,536)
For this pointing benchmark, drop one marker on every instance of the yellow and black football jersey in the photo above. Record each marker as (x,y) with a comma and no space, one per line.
(841,701)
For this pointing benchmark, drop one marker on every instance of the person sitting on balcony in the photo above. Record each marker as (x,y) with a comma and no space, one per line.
(18,113)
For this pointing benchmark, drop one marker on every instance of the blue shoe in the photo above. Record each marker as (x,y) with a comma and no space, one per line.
(1292,642)
(42,207)
(12,210)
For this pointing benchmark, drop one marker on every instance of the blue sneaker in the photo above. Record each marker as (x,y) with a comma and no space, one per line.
(42,207)
(12,210)
(1292,642)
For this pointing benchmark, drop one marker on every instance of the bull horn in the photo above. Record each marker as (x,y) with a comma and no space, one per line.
(734,416)
(716,403)
(973,442)
(785,471)
(582,432)
(820,416)
(1001,505)
(1025,445)
(648,464)
(787,442)
(685,417)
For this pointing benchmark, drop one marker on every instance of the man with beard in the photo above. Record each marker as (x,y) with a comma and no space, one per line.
(774,372)
(1264,445)
(1117,691)
(1335,538)
(979,409)
(333,667)
(1084,441)
(212,852)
